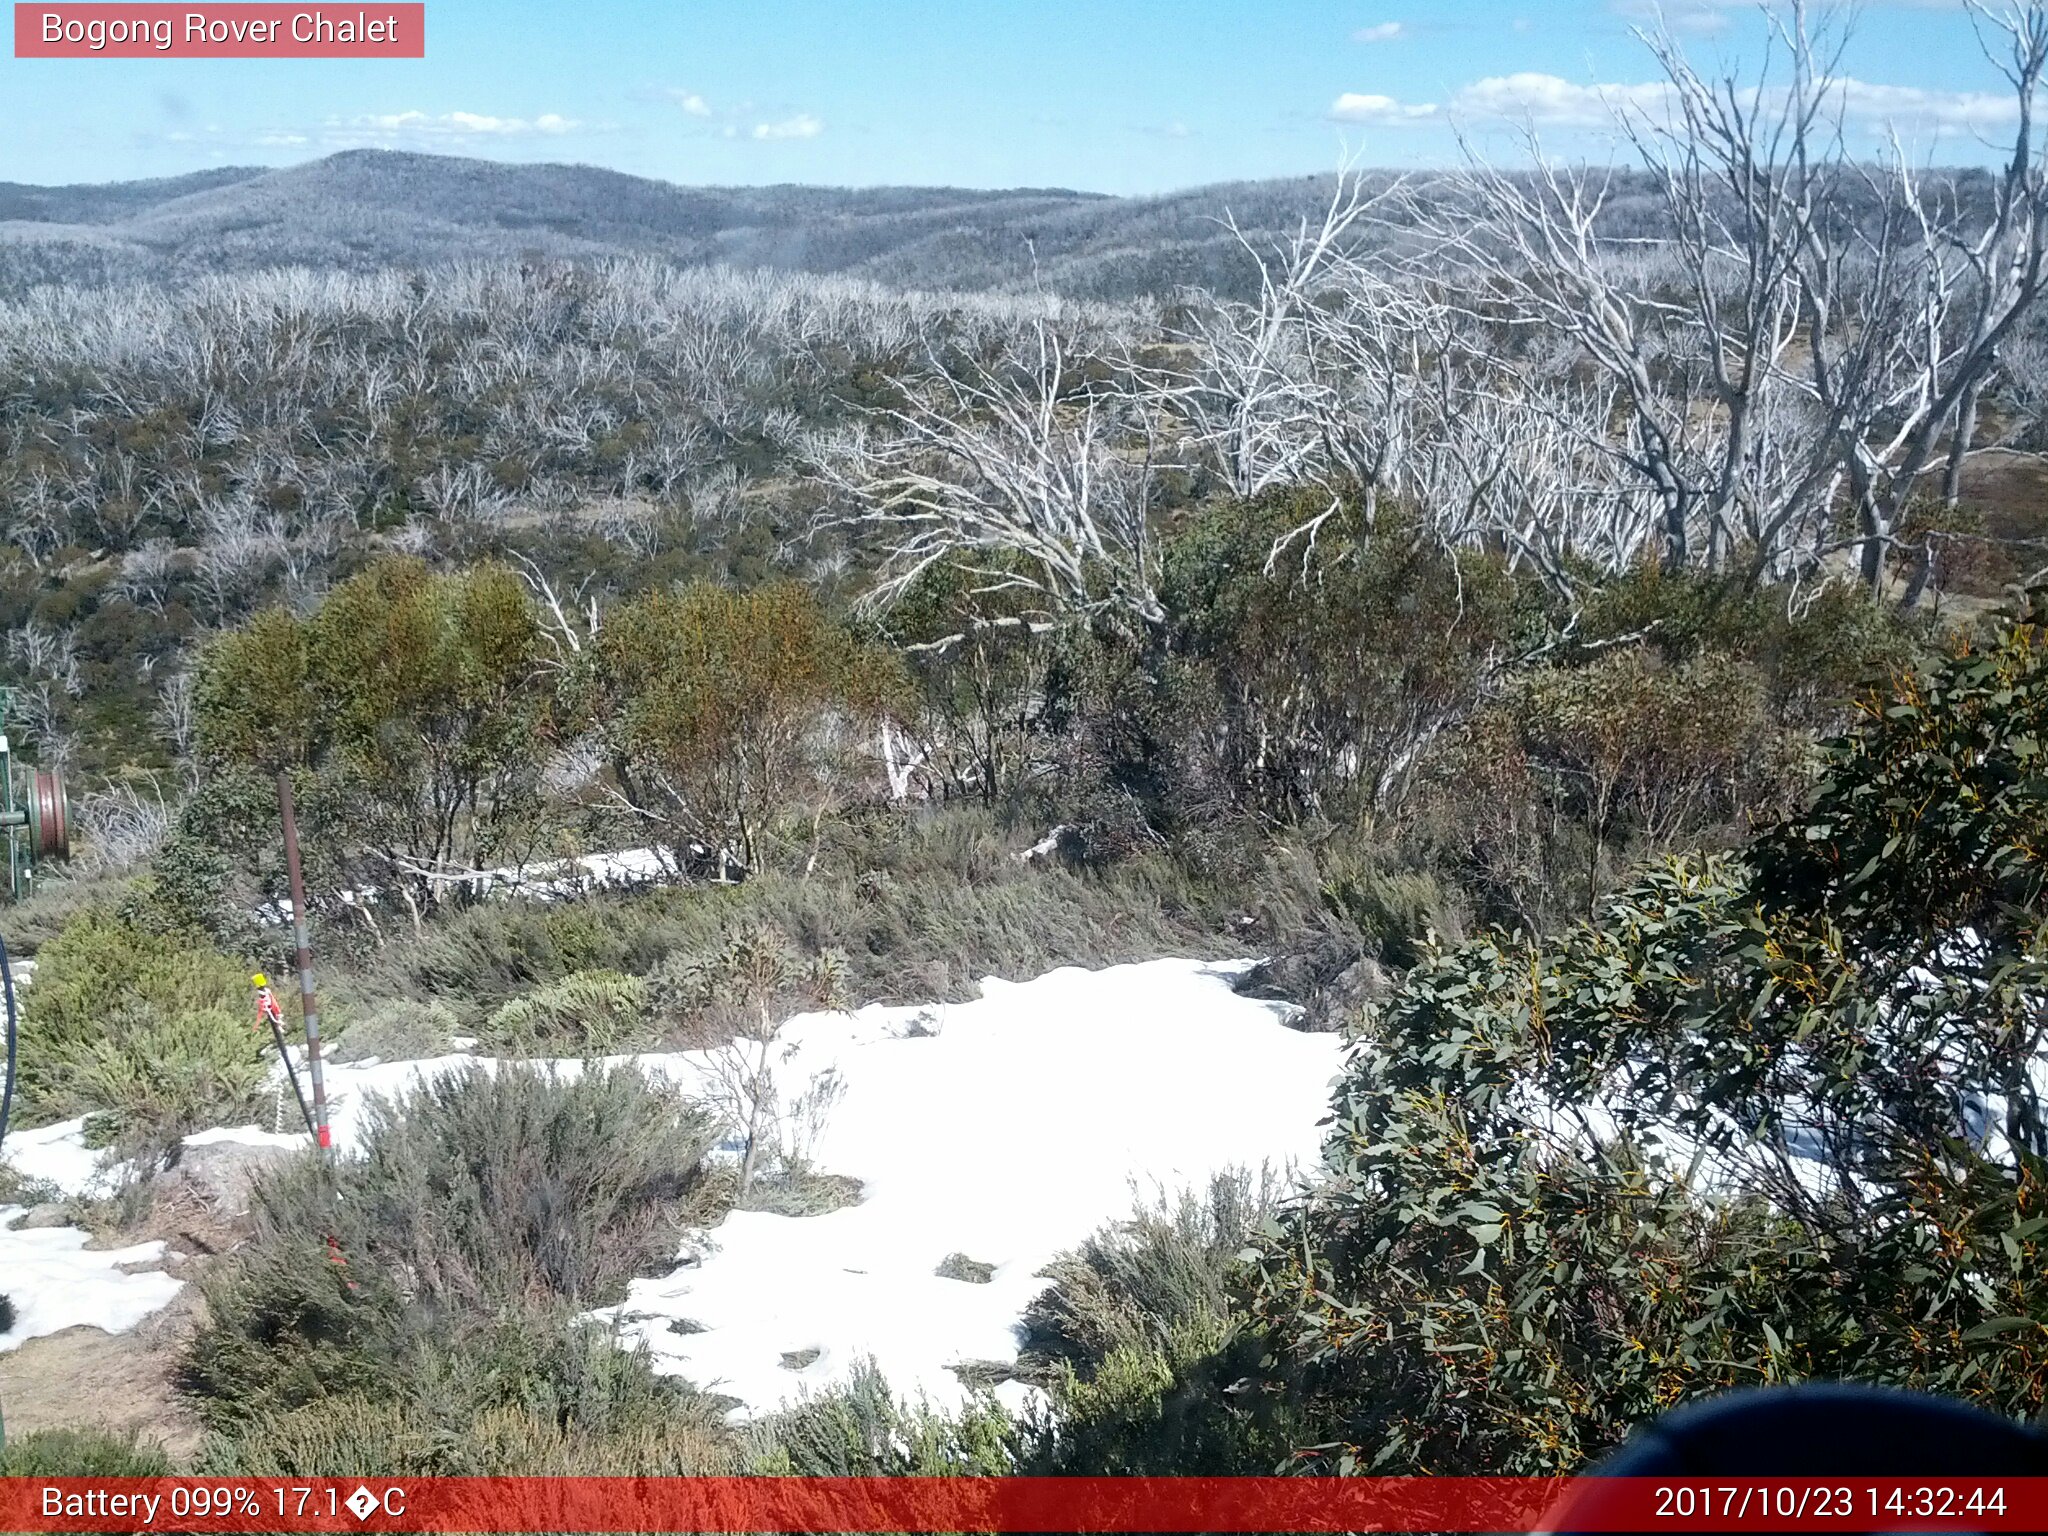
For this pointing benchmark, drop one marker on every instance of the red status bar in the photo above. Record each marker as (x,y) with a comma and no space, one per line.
(1022,1504)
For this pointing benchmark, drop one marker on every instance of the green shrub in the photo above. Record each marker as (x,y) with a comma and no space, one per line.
(1472,1287)
(1325,668)
(726,709)
(399,1029)
(482,1212)
(407,705)
(151,1029)
(57,902)
(748,987)
(1130,1285)
(1579,770)
(587,1013)
(369,1437)
(80,1453)
(1812,655)
(533,1392)
(1508,1263)
(160,1076)
(1394,911)
(1140,1345)
(861,1429)
(17,1188)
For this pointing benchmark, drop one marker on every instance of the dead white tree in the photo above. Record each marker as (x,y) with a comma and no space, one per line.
(1018,472)
(1813,329)
(1314,380)
(566,626)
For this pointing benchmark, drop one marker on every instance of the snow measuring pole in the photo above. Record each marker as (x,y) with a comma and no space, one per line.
(309,1003)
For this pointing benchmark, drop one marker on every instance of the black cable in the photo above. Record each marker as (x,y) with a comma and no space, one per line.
(285,1056)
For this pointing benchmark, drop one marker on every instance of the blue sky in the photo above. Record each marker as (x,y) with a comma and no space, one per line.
(1126,96)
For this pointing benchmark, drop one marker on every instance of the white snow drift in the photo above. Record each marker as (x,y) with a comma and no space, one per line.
(1031,1118)
(1004,1130)
(56,1282)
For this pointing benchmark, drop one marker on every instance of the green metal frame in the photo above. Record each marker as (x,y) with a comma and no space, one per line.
(14,819)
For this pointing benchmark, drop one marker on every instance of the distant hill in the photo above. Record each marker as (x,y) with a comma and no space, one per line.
(367,209)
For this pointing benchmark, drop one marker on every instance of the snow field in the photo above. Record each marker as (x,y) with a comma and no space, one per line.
(55,1282)
(1005,1129)
(1030,1119)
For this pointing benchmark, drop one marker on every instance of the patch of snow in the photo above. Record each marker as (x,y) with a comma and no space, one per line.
(1007,1129)
(1040,1113)
(55,1282)
(57,1154)
(547,880)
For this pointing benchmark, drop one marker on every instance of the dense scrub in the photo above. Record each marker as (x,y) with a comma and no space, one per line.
(1698,1142)
(394,1298)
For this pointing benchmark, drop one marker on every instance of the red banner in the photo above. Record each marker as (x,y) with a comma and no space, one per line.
(149,31)
(1021,1504)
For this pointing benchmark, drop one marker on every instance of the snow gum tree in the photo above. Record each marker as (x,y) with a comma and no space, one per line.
(721,710)
(1767,1118)
(410,703)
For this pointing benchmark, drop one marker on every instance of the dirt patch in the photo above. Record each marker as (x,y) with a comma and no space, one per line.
(2012,491)
(84,1378)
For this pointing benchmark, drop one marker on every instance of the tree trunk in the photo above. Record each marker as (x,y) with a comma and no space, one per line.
(1959,447)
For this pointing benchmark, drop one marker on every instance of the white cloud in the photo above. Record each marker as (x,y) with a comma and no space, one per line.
(802,126)
(385,126)
(1710,16)
(1696,16)
(1381,111)
(691,103)
(1550,100)
(1911,108)
(1381,32)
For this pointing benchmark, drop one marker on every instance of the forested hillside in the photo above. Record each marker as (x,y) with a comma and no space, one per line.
(370,210)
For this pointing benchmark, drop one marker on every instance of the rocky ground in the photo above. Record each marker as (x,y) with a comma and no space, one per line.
(84,1377)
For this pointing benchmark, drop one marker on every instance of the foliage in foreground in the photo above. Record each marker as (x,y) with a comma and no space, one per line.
(1141,1344)
(862,1429)
(80,1453)
(1769,1118)
(532,1406)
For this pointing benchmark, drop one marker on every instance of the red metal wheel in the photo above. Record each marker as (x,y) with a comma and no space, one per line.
(49,815)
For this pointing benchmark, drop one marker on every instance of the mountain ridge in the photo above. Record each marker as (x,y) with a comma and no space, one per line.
(375,209)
